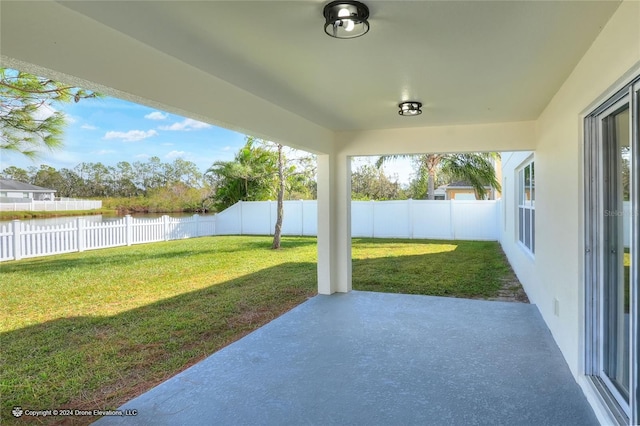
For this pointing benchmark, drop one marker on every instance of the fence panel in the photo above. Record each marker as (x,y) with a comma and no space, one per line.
(310,218)
(42,240)
(431,219)
(39,205)
(361,219)
(148,230)
(179,228)
(475,220)
(229,221)
(96,235)
(256,218)
(6,242)
(207,226)
(468,220)
(293,219)
(195,226)
(390,219)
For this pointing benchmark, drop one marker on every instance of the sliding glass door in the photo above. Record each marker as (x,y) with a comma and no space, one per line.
(611,244)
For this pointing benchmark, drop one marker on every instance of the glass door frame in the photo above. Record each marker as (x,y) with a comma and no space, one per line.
(596,253)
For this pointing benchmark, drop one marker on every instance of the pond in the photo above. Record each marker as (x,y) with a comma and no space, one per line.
(97,218)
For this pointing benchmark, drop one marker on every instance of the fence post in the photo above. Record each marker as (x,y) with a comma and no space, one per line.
(165,227)
(271,226)
(301,217)
(80,226)
(128,229)
(410,207)
(196,218)
(452,225)
(373,218)
(240,210)
(17,248)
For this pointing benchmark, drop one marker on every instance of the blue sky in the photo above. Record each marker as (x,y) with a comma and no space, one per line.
(110,130)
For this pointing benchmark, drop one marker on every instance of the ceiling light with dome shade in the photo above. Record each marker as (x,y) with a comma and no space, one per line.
(346,19)
(410,108)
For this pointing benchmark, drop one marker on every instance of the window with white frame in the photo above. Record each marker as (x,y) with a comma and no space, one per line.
(526,206)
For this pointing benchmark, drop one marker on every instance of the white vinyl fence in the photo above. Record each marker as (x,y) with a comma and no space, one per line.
(20,240)
(460,220)
(49,206)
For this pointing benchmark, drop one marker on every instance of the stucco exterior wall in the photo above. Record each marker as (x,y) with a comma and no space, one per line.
(522,262)
(556,272)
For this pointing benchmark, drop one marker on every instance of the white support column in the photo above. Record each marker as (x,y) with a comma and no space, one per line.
(334,224)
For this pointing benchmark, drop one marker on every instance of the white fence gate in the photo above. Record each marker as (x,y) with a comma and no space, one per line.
(452,219)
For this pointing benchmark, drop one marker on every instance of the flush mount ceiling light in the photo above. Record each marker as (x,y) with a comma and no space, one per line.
(346,19)
(410,108)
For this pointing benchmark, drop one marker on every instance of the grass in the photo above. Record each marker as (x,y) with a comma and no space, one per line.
(92,330)
(469,269)
(44,214)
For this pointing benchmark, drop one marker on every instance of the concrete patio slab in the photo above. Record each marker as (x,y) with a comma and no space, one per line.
(378,359)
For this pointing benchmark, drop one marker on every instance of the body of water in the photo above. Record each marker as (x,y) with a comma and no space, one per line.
(97,218)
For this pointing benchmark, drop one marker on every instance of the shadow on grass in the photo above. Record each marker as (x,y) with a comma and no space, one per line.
(137,253)
(292,242)
(101,362)
(474,269)
(395,241)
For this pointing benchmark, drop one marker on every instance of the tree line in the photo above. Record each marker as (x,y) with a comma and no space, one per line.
(93,180)
(156,186)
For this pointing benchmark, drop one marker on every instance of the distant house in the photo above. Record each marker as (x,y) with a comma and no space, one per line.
(461,190)
(10,190)
(464,191)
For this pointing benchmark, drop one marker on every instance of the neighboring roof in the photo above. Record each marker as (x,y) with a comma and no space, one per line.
(14,185)
(462,184)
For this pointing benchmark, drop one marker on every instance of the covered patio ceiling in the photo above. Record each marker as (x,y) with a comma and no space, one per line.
(261,66)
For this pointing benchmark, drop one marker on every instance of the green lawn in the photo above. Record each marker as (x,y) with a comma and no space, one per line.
(91,330)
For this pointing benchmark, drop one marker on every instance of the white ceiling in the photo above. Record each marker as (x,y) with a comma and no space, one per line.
(467,61)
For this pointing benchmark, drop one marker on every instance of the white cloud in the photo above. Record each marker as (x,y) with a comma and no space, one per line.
(156,115)
(175,154)
(88,127)
(186,125)
(105,151)
(70,119)
(45,111)
(131,135)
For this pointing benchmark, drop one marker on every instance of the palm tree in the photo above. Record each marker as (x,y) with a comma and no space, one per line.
(251,176)
(475,168)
